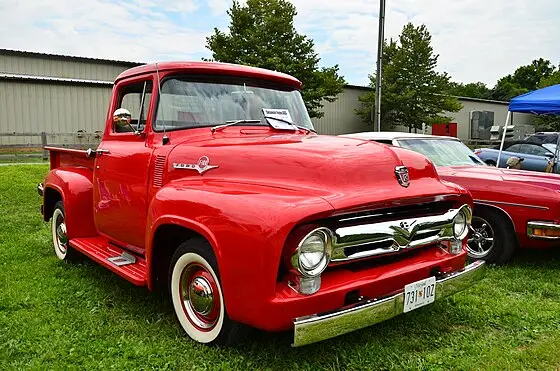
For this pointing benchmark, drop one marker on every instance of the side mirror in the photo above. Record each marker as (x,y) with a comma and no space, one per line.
(122,118)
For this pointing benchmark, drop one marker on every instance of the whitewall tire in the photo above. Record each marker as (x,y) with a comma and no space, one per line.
(59,233)
(197,296)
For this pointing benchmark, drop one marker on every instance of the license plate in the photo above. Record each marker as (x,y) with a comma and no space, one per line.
(420,293)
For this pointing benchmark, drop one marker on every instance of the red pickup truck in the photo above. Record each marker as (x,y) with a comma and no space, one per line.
(210,182)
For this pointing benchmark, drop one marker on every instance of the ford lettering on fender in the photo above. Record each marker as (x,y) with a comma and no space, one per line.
(211,183)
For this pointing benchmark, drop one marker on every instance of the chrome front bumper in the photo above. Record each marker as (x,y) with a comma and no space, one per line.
(317,327)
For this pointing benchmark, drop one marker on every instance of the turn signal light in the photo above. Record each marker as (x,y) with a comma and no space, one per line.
(542,232)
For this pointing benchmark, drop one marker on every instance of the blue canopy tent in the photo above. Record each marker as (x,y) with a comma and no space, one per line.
(544,101)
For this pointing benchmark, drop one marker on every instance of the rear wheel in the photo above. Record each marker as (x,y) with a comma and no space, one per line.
(490,163)
(196,293)
(492,237)
(60,236)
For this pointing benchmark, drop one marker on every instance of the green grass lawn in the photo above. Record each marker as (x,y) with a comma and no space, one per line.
(57,315)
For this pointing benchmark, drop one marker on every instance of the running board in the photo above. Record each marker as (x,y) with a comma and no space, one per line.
(130,267)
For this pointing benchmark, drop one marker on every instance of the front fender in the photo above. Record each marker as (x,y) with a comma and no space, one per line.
(246,225)
(75,186)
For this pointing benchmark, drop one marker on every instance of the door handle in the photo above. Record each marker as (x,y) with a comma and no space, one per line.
(102,151)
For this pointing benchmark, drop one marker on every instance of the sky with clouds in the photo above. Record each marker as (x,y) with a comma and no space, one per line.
(477,40)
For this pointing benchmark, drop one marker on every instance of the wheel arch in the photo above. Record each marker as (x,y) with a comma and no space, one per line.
(53,194)
(502,212)
(168,233)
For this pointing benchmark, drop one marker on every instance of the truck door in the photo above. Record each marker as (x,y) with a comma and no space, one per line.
(121,169)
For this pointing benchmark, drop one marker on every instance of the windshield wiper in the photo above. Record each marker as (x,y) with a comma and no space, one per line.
(231,123)
(291,123)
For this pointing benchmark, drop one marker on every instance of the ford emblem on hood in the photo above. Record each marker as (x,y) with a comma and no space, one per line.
(402,175)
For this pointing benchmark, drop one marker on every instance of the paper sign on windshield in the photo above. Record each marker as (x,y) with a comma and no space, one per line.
(278,118)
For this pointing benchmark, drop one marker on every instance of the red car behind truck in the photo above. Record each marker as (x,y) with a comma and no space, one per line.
(513,208)
(210,182)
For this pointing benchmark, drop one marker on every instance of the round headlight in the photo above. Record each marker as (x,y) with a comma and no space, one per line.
(313,253)
(461,223)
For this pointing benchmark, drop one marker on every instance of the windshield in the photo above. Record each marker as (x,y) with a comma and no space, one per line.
(442,152)
(190,104)
(543,138)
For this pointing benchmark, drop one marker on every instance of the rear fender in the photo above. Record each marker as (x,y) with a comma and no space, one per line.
(75,186)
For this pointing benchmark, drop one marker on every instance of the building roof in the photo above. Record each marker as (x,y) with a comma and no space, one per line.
(212,68)
(362,87)
(392,135)
(23,53)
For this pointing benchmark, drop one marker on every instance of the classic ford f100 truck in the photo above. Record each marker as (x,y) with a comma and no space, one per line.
(211,182)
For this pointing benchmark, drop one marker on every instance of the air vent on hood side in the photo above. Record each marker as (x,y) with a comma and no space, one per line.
(158,171)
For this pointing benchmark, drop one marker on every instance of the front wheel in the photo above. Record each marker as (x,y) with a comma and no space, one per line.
(197,296)
(492,237)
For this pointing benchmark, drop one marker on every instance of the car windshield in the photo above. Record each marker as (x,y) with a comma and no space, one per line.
(186,104)
(543,138)
(442,152)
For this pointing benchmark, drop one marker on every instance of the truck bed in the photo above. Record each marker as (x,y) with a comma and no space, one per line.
(63,157)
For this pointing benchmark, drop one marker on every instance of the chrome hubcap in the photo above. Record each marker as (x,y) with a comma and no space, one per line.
(481,238)
(61,240)
(199,296)
(61,234)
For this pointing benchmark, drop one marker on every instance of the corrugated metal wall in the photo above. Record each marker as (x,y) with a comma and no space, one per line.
(28,107)
(340,116)
(32,106)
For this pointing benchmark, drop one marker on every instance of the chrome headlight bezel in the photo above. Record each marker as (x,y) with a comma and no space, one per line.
(326,236)
(461,222)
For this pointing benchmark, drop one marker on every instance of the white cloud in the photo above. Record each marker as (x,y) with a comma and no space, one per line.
(477,40)
(138,30)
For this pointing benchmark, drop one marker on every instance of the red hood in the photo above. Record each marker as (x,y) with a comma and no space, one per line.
(345,172)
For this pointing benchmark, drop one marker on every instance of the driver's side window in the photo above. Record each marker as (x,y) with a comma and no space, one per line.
(135,98)
(536,150)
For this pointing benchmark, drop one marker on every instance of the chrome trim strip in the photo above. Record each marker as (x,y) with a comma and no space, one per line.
(512,204)
(322,326)
(542,225)
(400,234)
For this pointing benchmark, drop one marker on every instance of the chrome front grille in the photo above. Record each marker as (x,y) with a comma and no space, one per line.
(389,237)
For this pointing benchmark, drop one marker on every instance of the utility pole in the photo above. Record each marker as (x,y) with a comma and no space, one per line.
(380,40)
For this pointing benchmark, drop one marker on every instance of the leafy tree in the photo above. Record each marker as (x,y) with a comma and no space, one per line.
(472,90)
(524,79)
(262,34)
(507,88)
(412,91)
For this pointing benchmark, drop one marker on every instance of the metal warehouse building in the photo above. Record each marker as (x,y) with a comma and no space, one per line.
(66,98)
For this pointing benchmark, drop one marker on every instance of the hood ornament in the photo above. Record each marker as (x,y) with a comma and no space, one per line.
(402,176)
(201,166)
